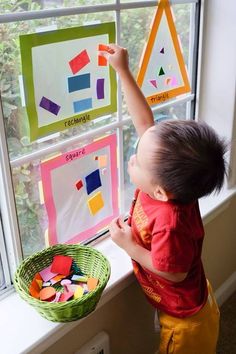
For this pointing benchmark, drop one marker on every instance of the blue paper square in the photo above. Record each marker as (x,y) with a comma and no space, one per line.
(93,181)
(78,82)
(82,105)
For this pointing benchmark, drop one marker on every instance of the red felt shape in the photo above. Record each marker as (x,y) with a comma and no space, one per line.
(79,184)
(78,62)
(61,264)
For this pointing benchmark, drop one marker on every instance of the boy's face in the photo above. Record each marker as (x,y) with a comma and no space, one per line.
(139,164)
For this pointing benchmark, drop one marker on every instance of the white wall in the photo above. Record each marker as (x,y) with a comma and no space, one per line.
(217,90)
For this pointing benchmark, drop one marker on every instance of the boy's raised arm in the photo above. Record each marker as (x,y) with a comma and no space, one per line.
(138,107)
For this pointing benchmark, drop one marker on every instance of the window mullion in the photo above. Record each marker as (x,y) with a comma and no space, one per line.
(7,203)
(70,11)
(192,29)
(4,259)
(41,153)
(120,156)
(196,23)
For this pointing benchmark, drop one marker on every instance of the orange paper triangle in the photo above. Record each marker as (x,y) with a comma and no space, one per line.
(163,19)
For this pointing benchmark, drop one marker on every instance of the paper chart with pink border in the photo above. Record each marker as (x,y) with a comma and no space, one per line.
(80,190)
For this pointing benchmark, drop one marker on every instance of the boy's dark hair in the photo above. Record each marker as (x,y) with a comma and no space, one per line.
(190,159)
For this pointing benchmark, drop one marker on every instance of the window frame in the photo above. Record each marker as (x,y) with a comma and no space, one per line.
(10,242)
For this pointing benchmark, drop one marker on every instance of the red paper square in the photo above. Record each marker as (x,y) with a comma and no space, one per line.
(78,62)
(61,264)
(79,184)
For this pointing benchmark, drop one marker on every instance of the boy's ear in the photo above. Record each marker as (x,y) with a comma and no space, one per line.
(160,194)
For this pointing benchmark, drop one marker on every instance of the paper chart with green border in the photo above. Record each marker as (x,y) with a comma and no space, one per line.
(66,82)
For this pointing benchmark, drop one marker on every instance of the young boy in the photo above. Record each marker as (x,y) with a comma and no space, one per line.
(176,163)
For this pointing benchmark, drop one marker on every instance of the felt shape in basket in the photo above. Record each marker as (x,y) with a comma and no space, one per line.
(75,293)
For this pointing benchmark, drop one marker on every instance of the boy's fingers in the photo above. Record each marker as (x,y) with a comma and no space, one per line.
(114,225)
(115,47)
(121,223)
(104,54)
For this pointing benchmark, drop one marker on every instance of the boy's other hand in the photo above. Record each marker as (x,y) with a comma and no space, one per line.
(121,234)
(117,57)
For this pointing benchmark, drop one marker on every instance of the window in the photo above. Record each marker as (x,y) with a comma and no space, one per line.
(24,217)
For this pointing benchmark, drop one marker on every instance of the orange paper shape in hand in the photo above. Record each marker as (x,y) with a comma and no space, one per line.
(102,61)
(92,283)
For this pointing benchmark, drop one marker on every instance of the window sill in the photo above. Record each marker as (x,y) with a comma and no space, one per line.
(23,329)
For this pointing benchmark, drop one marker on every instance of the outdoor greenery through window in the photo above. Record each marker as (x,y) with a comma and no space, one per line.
(18,17)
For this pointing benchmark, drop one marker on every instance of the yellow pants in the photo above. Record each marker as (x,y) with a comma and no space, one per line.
(197,334)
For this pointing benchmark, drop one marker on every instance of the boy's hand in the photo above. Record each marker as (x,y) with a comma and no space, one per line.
(121,234)
(117,57)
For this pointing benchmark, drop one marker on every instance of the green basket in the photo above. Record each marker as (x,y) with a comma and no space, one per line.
(90,261)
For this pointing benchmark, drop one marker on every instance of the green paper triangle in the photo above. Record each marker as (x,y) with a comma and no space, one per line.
(161,71)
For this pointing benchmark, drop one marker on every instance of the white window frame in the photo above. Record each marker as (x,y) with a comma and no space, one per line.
(11,243)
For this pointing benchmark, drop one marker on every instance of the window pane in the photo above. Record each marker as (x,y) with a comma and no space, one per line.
(131,0)
(32,214)
(130,140)
(182,22)
(135,25)
(15,116)
(27,5)
(2,279)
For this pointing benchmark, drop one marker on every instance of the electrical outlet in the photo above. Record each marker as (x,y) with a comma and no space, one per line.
(97,345)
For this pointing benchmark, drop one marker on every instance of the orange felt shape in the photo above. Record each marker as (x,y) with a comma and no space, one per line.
(34,289)
(102,61)
(47,294)
(103,47)
(38,277)
(92,283)
(61,264)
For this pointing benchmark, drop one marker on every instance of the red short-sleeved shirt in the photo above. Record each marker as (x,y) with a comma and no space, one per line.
(174,234)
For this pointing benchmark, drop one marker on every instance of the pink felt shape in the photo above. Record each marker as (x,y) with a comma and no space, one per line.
(61,264)
(47,274)
(66,296)
(154,83)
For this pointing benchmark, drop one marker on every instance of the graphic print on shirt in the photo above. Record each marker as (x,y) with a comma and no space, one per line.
(155,281)
(141,223)
(151,293)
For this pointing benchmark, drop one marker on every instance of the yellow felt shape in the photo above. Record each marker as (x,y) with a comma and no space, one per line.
(40,283)
(95,203)
(78,292)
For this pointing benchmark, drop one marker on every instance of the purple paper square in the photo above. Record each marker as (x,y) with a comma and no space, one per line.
(100,89)
(49,105)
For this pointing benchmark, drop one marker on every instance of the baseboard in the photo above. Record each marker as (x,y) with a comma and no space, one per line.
(226,289)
